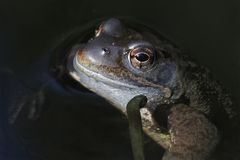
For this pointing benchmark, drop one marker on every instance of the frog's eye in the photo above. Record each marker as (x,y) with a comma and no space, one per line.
(112,27)
(141,58)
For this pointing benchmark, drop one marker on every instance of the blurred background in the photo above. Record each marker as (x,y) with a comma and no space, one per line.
(208,30)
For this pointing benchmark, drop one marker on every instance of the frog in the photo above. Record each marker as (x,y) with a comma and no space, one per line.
(188,112)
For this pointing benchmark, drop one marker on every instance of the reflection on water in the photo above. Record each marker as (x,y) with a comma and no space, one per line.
(70,126)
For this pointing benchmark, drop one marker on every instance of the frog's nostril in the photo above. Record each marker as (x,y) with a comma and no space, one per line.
(105,51)
(113,27)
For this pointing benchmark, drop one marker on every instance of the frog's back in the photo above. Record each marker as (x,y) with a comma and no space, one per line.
(209,97)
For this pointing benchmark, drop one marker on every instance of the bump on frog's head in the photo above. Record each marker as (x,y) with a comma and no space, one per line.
(121,61)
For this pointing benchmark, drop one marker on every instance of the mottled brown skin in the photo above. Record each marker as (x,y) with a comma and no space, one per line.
(187,112)
(189,131)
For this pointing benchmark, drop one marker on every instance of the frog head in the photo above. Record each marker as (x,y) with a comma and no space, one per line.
(121,61)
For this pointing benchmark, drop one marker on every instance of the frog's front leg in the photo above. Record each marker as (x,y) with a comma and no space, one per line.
(191,136)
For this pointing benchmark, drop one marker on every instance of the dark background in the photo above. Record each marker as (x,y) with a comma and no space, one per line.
(208,30)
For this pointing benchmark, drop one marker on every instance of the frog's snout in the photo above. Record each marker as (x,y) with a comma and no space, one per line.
(98,56)
(101,49)
(112,27)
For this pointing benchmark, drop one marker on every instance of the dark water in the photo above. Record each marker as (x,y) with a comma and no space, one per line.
(74,129)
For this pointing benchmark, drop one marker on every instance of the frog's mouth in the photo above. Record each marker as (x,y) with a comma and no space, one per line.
(99,77)
(118,93)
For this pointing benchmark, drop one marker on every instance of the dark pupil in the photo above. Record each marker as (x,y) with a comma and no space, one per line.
(142,57)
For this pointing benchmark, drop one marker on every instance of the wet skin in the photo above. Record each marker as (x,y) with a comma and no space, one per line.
(187,112)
